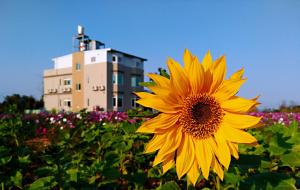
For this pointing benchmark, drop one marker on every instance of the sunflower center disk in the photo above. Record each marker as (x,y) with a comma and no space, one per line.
(201,116)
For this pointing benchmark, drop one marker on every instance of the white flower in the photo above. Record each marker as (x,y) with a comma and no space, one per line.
(52,120)
(104,124)
(61,128)
(64,120)
(78,116)
(116,118)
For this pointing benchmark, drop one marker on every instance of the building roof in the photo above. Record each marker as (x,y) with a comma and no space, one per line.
(127,54)
(109,50)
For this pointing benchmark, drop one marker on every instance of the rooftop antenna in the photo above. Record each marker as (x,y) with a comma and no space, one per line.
(84,42)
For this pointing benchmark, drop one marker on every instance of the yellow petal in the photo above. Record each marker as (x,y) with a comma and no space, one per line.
(144,95)
(228,89)
(173,140)
(196,77)
(166,95)
(208,77)
(237,75)
(240,121)
(162,121)
(187,60)
(168,163)
(236,135)
(233,147)
(204,155)
(193,173)
(223,152)
(207,61)
(158,104)
(160,80)
(185,156)
(219,73)
(216,166)
(238,105)
(156,142)
(179,80)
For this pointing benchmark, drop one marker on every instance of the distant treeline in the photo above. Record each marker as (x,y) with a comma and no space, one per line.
(20,103)
(285,108)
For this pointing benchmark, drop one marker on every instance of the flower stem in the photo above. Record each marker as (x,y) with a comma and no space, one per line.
(218,187)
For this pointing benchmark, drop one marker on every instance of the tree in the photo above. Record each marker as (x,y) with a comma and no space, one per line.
(21,103)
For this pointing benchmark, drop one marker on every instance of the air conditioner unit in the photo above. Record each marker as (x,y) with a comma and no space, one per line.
(64,89)
(68,89)
(95,88)
(102,87)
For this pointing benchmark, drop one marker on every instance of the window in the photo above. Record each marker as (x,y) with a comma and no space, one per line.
(67,103)
(138,64)
(120,100)
(119,59)
(135,80)
(93,59)
(114,59)
(114,78)
(88,79)
(118,78)
(114,101)
(88,102)
(59,82)
(133,103)
(78,86)
(78,66)
(67,82)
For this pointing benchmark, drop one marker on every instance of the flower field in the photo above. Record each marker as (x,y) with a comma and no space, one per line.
(99,150)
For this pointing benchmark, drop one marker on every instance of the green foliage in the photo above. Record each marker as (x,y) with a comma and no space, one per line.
(17,103)
(110,156)
(162,72)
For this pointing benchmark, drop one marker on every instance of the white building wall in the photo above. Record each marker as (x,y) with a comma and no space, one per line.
(62,62)
(99,55)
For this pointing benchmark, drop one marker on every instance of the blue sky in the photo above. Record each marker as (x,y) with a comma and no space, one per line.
(261,36)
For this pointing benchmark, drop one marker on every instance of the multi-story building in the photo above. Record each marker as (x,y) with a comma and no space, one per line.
(93,76)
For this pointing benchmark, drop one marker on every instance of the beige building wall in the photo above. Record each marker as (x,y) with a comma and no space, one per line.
(55,92)
(95,83)
(78,79)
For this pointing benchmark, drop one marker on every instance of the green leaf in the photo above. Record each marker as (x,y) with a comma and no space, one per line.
(44,171)
(111,173)
(24,159)
(5,160)
(231,178)
(287,184)
(154,173)
(291,159)
(268,181)
(145,84)
(73,173)
(42,183)
(17,179)
(112,158)
(171,185)
(278,145)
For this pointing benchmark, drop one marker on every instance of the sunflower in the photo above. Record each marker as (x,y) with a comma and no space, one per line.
(201,118)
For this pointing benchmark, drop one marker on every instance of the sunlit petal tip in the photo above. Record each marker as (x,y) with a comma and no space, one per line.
(256,98)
